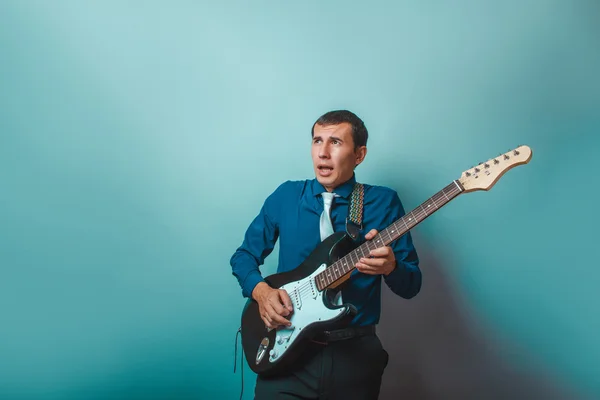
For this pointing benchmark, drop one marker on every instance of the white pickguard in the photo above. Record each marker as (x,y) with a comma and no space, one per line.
(308,308)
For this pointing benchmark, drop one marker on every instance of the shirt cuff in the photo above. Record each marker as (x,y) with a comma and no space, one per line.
(395,277)
(253,279)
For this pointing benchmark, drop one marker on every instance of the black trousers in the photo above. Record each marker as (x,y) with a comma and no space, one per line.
(347,369)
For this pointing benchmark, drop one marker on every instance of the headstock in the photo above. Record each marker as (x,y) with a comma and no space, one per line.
(485,175)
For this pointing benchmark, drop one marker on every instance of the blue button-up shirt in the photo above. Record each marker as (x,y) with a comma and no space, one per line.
(291,214)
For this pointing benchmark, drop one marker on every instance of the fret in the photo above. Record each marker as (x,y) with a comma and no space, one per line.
(358,256)
(378,240)
(452,187)
(352,259)
(387,235)
(350,265)
(382,239)
(336,273)
(444,193)
(398,228)
(416,217)
(391,231)
(410,218)
(345,264)
(367,248)
(370,246)
(425,208)
(403,221)
(457,186)
(364,251)
(341,267)
(360,250)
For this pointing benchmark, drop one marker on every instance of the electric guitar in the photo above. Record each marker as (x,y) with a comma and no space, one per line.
(313,285)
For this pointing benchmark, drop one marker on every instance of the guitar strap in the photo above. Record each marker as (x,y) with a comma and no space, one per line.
(355,211)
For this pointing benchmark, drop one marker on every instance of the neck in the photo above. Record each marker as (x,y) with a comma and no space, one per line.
(331,188)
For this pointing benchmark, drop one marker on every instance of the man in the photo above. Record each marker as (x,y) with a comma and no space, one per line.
(352,367)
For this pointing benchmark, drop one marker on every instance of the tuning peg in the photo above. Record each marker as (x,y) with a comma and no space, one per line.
(476,169)
(496,161)
(486,165)
(468,174)
(516,152)
(506,157)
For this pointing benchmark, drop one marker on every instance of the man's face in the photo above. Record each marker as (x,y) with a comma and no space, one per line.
(333,154)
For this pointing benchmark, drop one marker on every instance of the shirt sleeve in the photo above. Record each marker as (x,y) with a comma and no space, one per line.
(405,279)
(259,241)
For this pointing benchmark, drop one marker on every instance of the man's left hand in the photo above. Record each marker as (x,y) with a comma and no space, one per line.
(381,262)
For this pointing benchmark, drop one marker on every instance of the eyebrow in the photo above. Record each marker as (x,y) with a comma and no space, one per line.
(330,138)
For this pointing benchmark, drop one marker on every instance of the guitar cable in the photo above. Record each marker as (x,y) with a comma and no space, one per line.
(241,362)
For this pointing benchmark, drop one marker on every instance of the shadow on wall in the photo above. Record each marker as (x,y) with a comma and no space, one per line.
(437,352)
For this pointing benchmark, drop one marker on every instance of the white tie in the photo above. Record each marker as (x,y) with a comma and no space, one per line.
(327,229)
(326,226)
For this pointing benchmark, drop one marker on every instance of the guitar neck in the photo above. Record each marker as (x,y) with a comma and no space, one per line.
(339,270)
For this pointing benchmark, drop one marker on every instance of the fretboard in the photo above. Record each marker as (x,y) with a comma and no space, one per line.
(346,264)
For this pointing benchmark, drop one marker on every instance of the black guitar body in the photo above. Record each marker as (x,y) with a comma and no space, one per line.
(314,311)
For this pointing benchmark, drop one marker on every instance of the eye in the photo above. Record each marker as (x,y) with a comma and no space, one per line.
(315,141)
(335,141)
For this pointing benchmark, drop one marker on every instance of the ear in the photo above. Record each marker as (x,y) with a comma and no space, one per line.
(360,154)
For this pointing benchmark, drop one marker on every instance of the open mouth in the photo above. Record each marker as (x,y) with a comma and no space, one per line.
(325,170)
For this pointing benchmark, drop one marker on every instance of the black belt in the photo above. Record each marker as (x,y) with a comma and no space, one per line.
(343,334)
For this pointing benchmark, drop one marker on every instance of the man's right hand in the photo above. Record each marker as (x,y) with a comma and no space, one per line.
(273,304)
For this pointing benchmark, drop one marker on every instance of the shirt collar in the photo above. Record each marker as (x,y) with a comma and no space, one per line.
(344,190)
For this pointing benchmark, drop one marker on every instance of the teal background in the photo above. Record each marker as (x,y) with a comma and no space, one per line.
(139,139)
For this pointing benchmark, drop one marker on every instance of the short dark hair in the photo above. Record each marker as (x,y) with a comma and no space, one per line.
(359,130)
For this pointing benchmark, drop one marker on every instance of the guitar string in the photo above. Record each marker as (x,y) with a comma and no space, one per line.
(453,186)
(416,214)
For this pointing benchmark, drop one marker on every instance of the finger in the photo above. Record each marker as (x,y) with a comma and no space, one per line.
(383,251)
(279,309)
(274,317)
(371,234)
(267,314)
(266,319)
(268,324)
(279,320)
(373,262)
(285,298)
(365,269)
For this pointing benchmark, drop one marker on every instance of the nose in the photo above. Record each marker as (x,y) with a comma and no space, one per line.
(324,151)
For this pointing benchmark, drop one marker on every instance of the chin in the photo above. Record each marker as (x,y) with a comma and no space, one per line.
(327,182)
